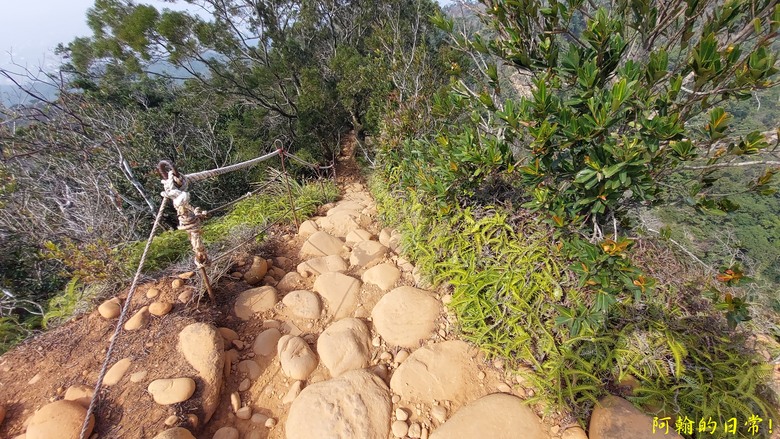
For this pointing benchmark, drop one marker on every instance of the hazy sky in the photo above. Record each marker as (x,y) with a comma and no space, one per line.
(30,29)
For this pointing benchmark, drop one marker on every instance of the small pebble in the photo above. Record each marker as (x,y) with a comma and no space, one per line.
(244,385)
(481,375)
(498,363)
(235,401)
(244,413)
(170,421)
(376,342)
(504,388)
(401,415)
(439,413)
(402,355)
(400,428)
(270,423)
(151,293)
(259,418)
(386,356)
(192,419)
(177,283)
(415,431)
(396,399)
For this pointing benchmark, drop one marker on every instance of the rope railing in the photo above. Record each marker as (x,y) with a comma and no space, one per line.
(175,189)
(120,322)
(211,173)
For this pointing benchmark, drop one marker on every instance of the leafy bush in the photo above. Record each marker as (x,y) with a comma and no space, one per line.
(255,212)
(515,298)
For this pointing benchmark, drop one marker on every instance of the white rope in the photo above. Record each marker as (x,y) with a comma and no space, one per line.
(202,175)
(121,320)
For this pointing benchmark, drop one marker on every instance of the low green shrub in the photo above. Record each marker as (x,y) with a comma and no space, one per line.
(255,212)
(516,297)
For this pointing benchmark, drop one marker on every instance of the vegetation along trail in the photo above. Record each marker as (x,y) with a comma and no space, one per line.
(503,219)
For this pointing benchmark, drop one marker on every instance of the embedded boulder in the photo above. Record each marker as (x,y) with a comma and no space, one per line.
(383,276)
(303,304)
(367,254)
(257,271)
(321,244)
(497,416)
(254,300)
(59,420)
(354,405)
(340,293)
(167,391)
(406,315)
(323,264)
(297,359)
(614,418)
(202,346)
(441,371)
(345,345)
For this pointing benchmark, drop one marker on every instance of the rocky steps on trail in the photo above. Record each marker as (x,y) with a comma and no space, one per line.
(336,336)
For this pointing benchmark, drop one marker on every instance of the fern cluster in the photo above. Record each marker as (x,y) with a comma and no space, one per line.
(511,288)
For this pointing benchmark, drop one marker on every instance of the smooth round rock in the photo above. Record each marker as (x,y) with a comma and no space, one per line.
(340,292)
(151,293)
(138,320)
(415,431)
(367,254)
(228,334)
(323,264)
(244,413)
(175,433)
(406,315)
(399,428)
(266,342)
(257,271)
(574,433)
(254,300)
(439,372)
(139,376)
(344,346)
(169,391)
(355,236)
(185,296)
(291,281)
(383,276)
(80,394)
(439,413)
(116,372)
(203,346)
(110,309)
(160,309)
(303,304)
(297,359)
(58,420)
(308,228)
(614,417)
(250,368)
(226,433)
(497,416)
(321,244)
(353,405)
